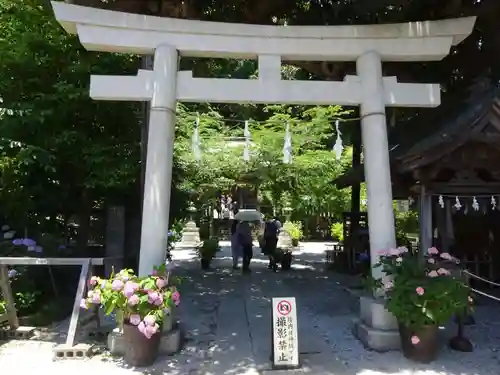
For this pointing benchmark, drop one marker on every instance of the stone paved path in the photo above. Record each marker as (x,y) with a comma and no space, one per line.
(227,317)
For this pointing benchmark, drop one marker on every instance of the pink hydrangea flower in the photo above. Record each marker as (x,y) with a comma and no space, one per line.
(150,320)
(130,288)
(176,297)
(93,281)
(420,291)
(431,261)
(446,256)
(402,249)
(432,251)
(382,252)
(154,273)
(159,300)
(388,285)
(135,319)
(161,283)
(141,327)
(133,300)
(149,331)
(399,259)
(443,271)
(153,297)
(83,304)
(117,285)
(433,274)
(96,298)
(415,340)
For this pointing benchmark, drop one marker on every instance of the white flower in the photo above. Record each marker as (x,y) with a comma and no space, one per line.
(433,274)
(394,252)
(9,235)
(388,285)
(443,271)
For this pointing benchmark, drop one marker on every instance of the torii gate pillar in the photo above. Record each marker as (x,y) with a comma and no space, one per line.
(158,181)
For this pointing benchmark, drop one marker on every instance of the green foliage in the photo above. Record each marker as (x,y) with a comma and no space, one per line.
(337,231)
(422,292)
(294,229)
(56,142)
(306,181)
(3,306)
(406,225)
(208,248)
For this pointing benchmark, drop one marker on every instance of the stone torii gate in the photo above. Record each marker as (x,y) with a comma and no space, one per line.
(168,39)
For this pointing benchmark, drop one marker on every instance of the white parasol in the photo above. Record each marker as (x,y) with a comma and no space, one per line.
(248,215)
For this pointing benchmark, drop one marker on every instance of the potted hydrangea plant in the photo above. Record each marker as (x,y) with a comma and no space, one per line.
(422,294)
(206,251)
(140,304)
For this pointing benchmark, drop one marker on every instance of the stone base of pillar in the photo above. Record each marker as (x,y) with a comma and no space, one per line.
(376,327)
(170,342)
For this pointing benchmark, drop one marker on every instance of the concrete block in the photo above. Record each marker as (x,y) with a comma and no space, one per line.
(376,339)
(170,342)
(116,343)
(79,351)
(20,333)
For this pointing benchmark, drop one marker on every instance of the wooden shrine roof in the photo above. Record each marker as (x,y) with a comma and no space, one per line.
(472,115)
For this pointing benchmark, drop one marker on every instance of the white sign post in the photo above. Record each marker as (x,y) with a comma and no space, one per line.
(285,336)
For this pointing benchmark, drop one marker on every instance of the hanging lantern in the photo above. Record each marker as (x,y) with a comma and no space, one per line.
(441,201)
(287,147)
(338,147)
(493,203)
(195,142)
(475,204)
(457,204)
(246,150)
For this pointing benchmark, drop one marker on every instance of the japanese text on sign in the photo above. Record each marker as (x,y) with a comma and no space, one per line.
(285,340)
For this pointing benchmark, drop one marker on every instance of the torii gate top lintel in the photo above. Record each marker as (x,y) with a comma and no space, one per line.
(104,30)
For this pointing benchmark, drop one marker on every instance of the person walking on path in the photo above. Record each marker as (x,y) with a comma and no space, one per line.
(235,244)
(246,242)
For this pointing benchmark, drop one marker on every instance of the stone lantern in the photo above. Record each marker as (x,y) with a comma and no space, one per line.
(192,210)
(284,238)
(191,233)
(287,210)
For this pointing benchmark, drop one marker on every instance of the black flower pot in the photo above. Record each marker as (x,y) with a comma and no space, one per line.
(295,242)
(286,261)
(426,349)
(139,350)
(205,263)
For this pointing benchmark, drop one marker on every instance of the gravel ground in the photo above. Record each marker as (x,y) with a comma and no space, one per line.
(227,321)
